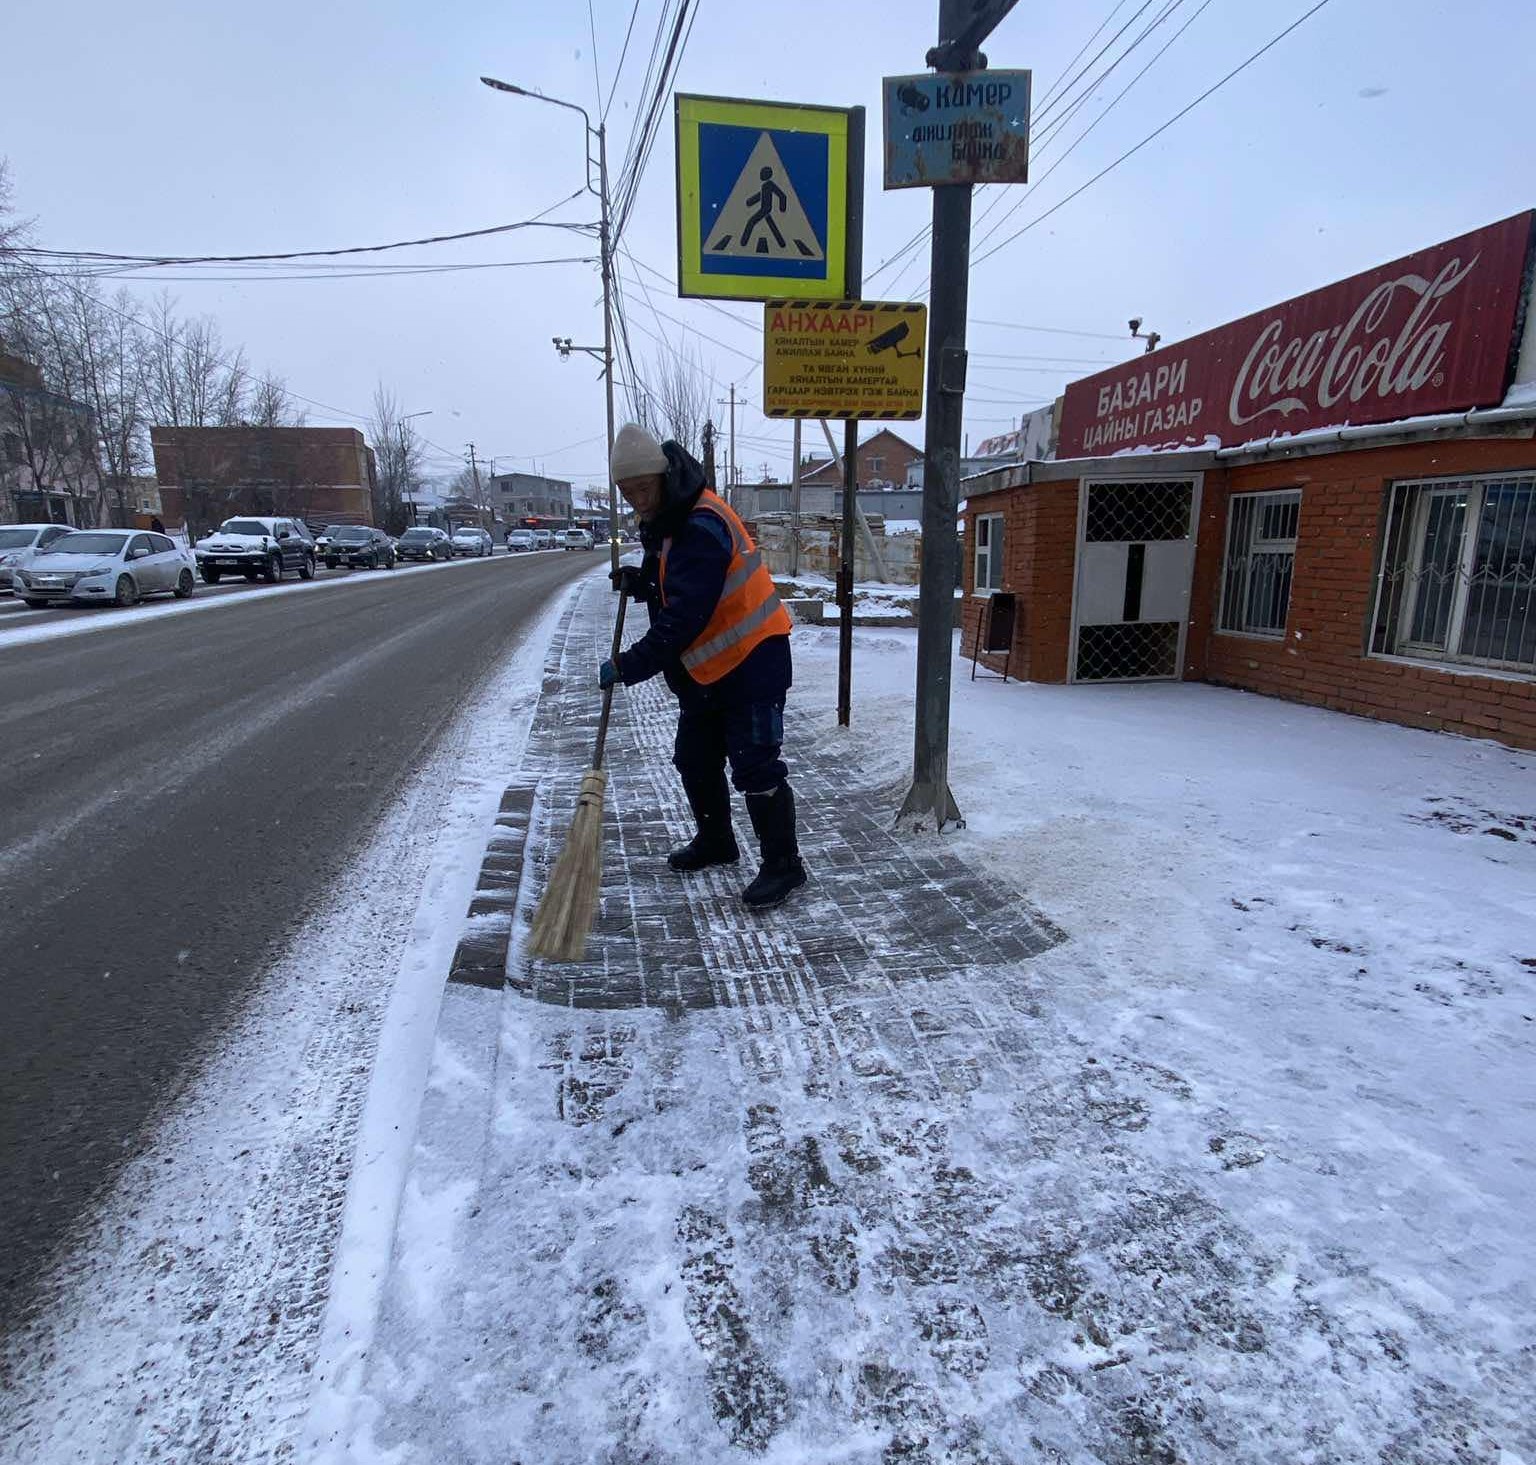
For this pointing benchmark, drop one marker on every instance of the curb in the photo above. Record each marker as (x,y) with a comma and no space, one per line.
(480,960)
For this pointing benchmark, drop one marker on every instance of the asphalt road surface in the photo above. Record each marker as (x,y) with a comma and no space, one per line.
(175,798)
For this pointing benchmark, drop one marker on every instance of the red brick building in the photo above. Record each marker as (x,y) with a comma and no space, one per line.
(324,475)
(881,462)
(1380,559)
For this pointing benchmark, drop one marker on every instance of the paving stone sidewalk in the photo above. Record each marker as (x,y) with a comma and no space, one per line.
(837,1182)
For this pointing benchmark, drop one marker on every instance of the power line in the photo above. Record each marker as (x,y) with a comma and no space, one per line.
(134,276)
(1157,132)
(224,259)
(618,71)
(1078,140)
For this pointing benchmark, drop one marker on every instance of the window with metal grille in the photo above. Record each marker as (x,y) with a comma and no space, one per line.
(989,553)
(1261,554)
(1458,575)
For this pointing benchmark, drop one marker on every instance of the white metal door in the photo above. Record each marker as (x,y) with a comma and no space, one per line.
(1135,559)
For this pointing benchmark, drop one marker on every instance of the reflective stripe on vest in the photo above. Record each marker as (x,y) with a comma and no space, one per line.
(748,611)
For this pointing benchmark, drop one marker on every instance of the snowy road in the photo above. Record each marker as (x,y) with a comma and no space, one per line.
(179,798)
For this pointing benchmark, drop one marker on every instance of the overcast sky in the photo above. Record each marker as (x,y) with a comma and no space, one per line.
(1378,127)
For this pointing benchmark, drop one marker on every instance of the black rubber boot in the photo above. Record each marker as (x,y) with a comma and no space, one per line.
(715,844)
(773,821)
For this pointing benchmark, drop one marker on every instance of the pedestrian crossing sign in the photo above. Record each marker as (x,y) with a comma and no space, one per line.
(762,199)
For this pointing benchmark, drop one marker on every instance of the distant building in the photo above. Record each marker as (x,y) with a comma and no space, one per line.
(49,471)
(883,461)
(323,475)
(530,495)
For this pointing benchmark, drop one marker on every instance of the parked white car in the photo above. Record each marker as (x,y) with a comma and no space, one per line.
(105,566)
(520,541)
(576,539)
(472,542)
(543,538)
(18,543)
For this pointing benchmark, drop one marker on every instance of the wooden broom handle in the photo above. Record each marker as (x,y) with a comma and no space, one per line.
(602,722)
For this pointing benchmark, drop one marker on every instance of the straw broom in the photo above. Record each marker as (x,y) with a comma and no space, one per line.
(569,902)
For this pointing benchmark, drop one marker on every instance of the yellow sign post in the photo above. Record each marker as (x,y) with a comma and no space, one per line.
(853,359)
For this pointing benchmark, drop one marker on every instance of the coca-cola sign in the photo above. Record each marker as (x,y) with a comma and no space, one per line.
(1433,332)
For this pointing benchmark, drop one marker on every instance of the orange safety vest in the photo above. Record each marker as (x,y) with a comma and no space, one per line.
(748,611)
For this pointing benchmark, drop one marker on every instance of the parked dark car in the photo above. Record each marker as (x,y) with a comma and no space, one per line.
(359,548)
(424,544)
(254,547)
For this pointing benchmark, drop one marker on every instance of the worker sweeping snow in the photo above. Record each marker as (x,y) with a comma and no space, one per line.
(720,637)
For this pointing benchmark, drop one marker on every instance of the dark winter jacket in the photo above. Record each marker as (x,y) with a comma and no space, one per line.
(696,570)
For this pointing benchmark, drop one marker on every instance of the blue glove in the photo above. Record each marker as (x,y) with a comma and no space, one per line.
(607,675)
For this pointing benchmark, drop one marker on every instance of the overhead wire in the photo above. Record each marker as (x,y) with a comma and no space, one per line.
(618,70)
(1156,132)
(537,221)
(1078,140)
(1068,107)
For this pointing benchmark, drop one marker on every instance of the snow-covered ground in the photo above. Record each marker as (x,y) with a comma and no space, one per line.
(1239,1171)
(185,1324)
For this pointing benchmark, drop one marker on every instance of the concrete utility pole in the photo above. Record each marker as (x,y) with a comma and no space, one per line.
(730,468)
(963,25)
(605,238)
(474,468)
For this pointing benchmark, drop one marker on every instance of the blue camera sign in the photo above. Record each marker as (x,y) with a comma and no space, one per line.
(956,127)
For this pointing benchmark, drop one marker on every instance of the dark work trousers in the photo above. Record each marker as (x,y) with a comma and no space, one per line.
(748,735)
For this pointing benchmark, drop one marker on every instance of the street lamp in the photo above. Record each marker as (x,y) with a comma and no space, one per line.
(600,132)
(404,461)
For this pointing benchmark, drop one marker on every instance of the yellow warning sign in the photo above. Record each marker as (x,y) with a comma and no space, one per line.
(852,359)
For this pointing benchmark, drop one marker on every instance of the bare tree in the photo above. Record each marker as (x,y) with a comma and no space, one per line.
(190,379)
(103,338)
(269,403)
(14,231)
(676,402)
(50,430)
(399,453)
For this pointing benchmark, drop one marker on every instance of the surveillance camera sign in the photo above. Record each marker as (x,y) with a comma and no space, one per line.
(963,127)
(858,359)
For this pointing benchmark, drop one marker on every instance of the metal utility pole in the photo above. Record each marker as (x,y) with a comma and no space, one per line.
(851,427)
(963,25)
(605,238)
(794,507)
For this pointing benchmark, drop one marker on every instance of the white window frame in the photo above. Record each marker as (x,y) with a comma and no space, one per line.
(1383,621)
(981,565)
(1256,544)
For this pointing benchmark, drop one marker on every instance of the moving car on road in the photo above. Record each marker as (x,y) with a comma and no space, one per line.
(473,542)
(359,548)
(576,539)
(257,546)
(18,542)
(105,566)
(543,538)
(424,544)
(520,541)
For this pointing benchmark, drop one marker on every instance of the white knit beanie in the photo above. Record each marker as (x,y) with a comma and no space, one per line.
(635,454)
